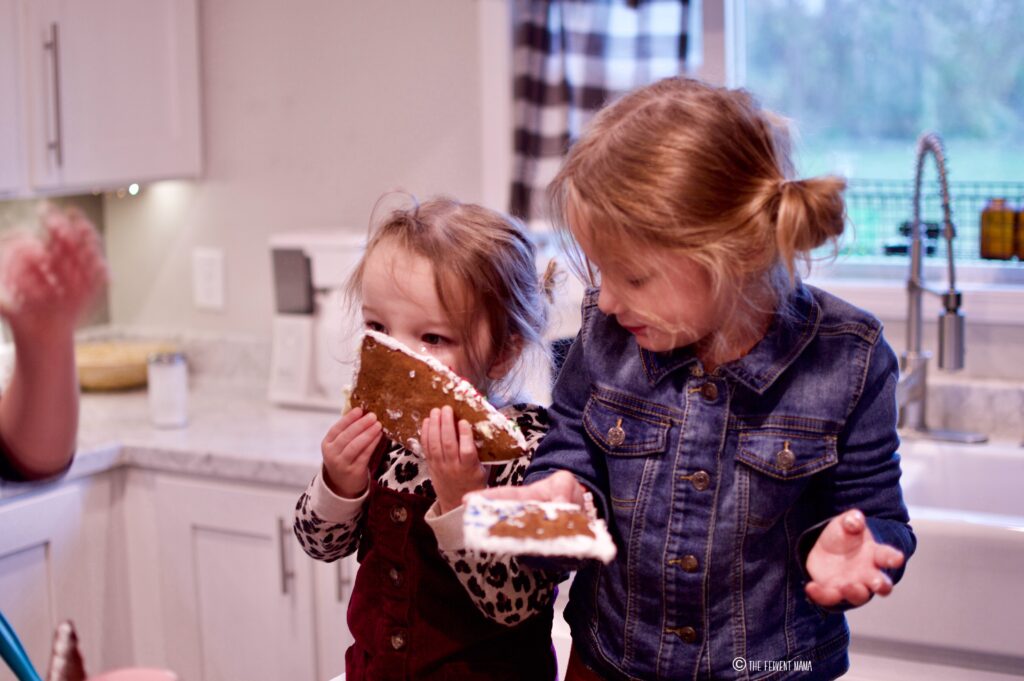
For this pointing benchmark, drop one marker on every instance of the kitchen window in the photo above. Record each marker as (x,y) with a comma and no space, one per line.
(723,41)
(861,79)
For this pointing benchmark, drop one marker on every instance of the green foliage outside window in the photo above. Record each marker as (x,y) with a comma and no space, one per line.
(862,79)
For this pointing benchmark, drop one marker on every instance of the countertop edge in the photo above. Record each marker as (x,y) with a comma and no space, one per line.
(205,464)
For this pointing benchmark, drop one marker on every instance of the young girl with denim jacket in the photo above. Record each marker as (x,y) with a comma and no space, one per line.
(458,282)
(736,427)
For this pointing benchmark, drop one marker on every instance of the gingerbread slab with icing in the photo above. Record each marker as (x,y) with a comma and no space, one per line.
(535,528)
(401,387)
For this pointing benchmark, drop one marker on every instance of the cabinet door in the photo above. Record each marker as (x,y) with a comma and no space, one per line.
(237,592)
(12,172)
(333,587)
(53,548)
(114,91)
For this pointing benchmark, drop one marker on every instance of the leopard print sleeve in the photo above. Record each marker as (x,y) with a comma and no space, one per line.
(502,587)
(326,529)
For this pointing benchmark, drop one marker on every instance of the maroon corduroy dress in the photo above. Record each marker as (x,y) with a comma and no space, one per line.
(411,617)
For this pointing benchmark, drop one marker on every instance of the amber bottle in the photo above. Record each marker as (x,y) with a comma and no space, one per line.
(997,230)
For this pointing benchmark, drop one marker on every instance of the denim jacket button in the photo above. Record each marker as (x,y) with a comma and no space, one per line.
(398,640)
(688,562)
(700,480)
(709,391)
(616,435)
(687,634)
(399,515)
(395,576)
(785,458)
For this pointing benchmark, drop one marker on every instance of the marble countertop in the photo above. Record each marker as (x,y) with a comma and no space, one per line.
(234,433)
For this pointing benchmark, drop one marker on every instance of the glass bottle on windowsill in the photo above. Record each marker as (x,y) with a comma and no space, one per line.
(997,230)
(1020,234)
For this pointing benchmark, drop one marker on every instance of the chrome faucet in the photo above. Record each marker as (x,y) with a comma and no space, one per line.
(912,389)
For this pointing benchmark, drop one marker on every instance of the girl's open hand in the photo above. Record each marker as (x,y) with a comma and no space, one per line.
(452,457)
(846,563)
(50,282)
(346,449)
(559,486)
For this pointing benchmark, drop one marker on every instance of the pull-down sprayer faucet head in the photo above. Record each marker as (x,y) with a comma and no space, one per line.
(951,321)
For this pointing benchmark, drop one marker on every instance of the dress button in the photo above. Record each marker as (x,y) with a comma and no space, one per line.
(709,391)
(399,515)
(700,480)
(398,640)
(395,576)
(689,563)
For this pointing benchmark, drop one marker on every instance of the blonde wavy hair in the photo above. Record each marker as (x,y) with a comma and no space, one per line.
(684,167)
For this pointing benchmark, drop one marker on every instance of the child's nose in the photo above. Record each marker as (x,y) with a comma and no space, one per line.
(606,301)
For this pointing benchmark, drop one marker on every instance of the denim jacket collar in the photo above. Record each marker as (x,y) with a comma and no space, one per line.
(788,335)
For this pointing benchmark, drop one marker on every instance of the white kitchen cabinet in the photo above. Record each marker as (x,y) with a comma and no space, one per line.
(238,594)
(333,587)
(54,566)
(12,163)
(198,576)
(112,91)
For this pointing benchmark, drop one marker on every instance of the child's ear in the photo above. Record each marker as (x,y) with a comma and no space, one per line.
(506,359)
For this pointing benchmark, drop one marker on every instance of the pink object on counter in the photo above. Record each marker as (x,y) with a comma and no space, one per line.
(136,674)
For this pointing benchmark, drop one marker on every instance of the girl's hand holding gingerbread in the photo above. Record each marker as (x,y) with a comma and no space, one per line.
(452,457)
(846,563)
(49,283)
(559,486)
(346,449)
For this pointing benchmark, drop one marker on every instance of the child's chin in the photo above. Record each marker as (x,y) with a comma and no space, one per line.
(659,342)
(654,344)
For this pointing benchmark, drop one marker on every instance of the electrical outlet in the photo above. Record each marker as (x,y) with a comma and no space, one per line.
(208,278)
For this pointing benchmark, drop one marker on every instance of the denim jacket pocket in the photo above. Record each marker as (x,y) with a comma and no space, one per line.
(624,429)
(780,463)
(633,435)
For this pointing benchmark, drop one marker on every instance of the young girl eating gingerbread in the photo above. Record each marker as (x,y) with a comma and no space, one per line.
(456,282)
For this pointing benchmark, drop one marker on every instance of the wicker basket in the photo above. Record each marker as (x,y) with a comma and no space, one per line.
(115,365)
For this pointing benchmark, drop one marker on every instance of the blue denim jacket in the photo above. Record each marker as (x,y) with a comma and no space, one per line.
(719,487)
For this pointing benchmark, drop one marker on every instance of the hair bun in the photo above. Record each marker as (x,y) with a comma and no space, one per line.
(811,213)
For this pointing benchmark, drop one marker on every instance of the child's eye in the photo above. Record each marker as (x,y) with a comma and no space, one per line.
(637,282)
(433,339)
(376,326)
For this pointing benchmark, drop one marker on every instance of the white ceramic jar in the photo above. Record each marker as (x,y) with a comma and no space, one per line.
(167,376)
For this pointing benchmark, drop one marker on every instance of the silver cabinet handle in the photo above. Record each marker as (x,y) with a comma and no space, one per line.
(53,46)
(343,581)
(287,573)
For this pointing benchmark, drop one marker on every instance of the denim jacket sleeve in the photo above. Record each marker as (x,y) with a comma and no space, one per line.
(867,476)
(565,445)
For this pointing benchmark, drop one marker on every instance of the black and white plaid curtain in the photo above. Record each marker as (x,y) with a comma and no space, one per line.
(572,56)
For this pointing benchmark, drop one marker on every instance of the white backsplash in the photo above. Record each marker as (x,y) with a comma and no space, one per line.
(992,407)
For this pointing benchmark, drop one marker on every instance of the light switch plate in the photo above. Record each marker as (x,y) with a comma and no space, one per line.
(208,278)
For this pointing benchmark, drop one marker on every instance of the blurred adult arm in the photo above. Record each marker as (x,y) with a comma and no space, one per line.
(47,285)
